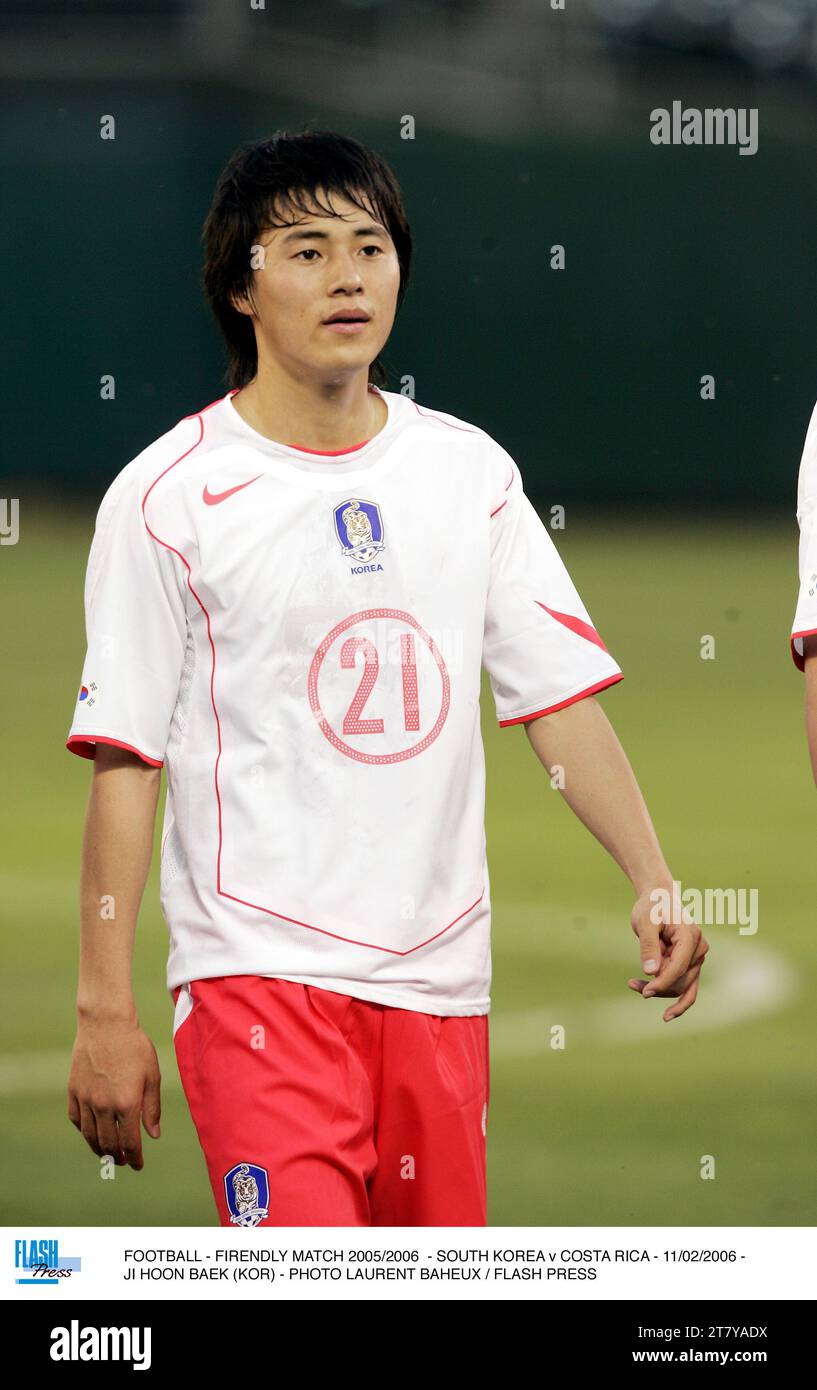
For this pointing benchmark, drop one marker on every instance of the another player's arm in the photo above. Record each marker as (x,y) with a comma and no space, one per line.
(114,1076)
(601,789)
(810,663)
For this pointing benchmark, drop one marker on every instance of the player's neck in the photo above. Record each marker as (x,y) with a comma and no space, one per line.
(322,418)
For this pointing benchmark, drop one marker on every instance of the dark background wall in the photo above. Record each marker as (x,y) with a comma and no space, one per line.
(680,261)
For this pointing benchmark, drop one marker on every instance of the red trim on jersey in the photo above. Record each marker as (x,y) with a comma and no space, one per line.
(505,503)
(330,453)
(84,745)
(221,891)
(551,709)
(196,414)
(172,548)
(429,414)
(327,453)
(800,661)
(351,940)
(577,625)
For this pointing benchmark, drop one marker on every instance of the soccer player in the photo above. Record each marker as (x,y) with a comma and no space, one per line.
(289,598)
(804,627)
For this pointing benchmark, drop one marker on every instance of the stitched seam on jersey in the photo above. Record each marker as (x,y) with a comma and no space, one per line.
(429,415)
(101,528)
(505,503)
(181,712)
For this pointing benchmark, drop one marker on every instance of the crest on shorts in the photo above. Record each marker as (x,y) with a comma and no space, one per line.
(247,1189)
(359,528)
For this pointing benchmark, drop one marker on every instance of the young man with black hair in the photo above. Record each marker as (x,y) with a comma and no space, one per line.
(289,599)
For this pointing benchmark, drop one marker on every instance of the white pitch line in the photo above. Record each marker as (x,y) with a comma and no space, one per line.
(46,1073)
(742,980)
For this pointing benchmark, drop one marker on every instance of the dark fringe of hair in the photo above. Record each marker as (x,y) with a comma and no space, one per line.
(263,181)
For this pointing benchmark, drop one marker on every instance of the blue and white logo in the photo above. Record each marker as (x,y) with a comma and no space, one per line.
(247,1189)
(359,528)
(40,1262)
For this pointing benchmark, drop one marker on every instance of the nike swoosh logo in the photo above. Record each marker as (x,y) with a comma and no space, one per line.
(213,498)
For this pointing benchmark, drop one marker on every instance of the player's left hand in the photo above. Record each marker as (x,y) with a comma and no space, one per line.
(672,951)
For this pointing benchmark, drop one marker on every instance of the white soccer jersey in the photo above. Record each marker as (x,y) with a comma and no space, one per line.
(805,618)
(298,639)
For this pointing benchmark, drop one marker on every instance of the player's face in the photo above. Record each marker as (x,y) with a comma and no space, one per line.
(314,269)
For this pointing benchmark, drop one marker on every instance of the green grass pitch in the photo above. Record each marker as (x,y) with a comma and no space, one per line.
(614,1128)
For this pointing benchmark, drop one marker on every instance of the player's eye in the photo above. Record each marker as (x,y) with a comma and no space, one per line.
(311,251)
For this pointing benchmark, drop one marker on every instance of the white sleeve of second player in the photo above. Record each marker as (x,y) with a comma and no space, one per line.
(136,629)
(805,618)
(540,648)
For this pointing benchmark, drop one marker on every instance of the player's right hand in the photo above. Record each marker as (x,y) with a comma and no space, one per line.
(113,1083)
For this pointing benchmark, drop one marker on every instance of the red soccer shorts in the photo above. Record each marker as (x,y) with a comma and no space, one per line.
(320,1109)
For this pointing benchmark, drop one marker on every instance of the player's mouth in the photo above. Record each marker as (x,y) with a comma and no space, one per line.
(348,321)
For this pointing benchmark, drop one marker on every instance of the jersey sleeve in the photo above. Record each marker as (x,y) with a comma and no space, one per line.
(136,632)
(540,648)
(805,617)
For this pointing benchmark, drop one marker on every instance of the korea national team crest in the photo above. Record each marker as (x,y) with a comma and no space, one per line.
(247,1189)
(359,528)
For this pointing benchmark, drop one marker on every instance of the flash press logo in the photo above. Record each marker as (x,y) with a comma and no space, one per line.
(75,1343)
(40,1262)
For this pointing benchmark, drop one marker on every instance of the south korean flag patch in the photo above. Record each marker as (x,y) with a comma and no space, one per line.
(247,1190)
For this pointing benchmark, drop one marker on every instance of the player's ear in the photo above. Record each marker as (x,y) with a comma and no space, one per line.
(243,304)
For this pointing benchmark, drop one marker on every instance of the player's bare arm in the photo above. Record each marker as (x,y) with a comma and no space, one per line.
(810,666)
(114,1079)
(600,787)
